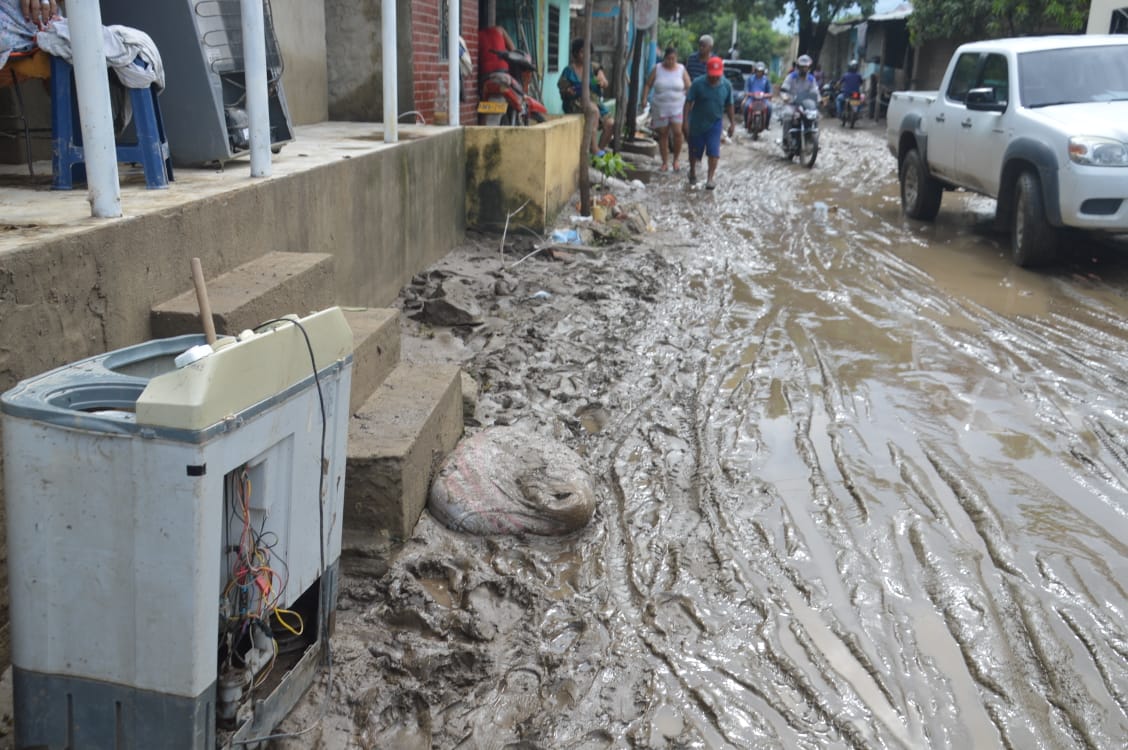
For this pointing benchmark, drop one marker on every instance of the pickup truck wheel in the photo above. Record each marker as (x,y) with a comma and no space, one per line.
(1033,241)
(920,193)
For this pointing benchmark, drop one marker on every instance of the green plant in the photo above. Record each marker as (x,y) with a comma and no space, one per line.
(610,164)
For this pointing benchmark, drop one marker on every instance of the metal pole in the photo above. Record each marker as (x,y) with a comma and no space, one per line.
(452,45)
(254,66)
(93,88)
(388,55)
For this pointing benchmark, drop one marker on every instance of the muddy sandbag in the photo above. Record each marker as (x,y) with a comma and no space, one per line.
(504,480)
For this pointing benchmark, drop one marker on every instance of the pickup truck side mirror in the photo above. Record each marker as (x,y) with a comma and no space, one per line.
(983,100)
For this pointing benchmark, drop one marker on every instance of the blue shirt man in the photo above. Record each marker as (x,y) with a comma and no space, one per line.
(695,63)
(851,83)
(758,82)
(708,99)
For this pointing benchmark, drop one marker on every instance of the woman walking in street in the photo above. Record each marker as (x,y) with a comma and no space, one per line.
(670,82)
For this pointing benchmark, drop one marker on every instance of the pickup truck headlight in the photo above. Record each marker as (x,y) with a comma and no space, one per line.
(1098,152)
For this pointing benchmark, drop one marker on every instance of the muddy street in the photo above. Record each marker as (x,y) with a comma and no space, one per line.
(861,483)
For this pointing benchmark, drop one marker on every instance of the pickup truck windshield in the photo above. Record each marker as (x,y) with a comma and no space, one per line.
(1074,75)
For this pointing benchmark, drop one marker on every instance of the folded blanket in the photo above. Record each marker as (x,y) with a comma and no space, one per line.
(130,52)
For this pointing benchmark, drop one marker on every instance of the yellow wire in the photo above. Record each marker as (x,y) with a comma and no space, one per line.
(278,616)
(269,667)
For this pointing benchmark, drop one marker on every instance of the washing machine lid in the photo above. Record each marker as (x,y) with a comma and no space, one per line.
(252,368)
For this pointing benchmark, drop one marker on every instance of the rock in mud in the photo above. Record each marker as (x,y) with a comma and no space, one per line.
(450,305)
(510,481)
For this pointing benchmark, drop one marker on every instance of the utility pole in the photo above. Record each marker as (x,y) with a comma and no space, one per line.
(585,104)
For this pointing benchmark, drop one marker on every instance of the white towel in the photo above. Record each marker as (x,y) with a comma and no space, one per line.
(130,52)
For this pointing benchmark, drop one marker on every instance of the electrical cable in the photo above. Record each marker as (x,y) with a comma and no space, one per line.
(323,603)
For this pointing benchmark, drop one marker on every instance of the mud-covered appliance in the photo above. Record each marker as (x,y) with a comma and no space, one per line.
(204,101)
(174,531)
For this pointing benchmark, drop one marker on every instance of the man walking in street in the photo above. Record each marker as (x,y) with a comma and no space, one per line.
(708,99)
(695,64)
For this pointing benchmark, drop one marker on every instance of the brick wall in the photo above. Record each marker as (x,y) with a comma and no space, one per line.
(427,68)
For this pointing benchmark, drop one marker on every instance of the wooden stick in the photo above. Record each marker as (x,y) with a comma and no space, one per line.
(202,301)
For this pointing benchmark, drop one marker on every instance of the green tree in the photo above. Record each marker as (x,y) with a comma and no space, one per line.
(814,17)
(755,36)
(971,19)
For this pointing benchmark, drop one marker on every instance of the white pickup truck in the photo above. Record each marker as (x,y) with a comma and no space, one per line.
(1038,123)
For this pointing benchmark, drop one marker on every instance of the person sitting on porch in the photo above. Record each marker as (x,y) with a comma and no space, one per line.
(20,21)
(571,96)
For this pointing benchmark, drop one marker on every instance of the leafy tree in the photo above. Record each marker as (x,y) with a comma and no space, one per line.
(815,16)
(755,36)
(970,19)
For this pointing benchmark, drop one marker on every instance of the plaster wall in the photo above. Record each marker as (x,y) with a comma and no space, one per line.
(507,166)
(553,68)
(383,214)
(300,28)
(931,63)
(353,46)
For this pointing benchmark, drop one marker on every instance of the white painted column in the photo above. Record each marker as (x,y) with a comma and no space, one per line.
(93,89)
(455,8)
(391,91)
(254,67)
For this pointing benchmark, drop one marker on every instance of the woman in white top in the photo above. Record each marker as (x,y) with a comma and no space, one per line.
(669,81)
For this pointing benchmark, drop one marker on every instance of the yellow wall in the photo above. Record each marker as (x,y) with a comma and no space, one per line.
(507,166)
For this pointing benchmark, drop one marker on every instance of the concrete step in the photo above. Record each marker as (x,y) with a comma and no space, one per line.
(268,287)
(396,442)
(376,349)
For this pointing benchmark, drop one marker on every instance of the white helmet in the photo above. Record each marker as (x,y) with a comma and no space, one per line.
(804,61)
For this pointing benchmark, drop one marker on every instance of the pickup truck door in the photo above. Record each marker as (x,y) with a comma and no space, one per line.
(982,139)
(946,115)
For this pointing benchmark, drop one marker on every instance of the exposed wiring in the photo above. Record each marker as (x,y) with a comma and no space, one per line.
(278,611)
(323,613)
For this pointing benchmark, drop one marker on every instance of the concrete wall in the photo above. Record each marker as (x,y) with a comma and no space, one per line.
(931,62)
(384,215)
(506,166)
(300,28)
(352,41)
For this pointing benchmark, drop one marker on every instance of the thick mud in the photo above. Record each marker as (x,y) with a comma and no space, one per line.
(862,483)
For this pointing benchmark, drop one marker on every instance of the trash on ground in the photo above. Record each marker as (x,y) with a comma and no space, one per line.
(506,480)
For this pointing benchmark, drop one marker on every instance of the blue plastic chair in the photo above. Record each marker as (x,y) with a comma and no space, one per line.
(150,151)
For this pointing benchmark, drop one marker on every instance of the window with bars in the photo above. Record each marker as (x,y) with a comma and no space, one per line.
(553,38)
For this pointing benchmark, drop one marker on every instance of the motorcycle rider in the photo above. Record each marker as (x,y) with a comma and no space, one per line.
(758,82)
(850,83)
(799,84)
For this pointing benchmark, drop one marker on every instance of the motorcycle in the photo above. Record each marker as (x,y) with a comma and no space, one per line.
(801,129)
(852,108)
(827,99)
(756,114)
(504,100)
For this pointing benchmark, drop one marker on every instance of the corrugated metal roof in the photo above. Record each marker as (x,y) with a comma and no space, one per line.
(900,13)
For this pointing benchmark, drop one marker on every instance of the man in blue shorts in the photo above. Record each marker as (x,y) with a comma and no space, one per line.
(708,99)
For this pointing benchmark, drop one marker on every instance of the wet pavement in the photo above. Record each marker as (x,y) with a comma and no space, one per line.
(862,483)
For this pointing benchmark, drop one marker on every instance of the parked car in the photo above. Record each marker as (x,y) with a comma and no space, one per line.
(1038,123)
(735,71)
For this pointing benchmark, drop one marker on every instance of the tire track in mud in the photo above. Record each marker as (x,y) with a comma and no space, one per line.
(1016,687)
(846,499)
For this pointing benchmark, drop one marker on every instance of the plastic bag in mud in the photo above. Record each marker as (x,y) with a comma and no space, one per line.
(507,481)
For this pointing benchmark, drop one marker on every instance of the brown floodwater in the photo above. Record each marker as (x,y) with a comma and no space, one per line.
(862,483)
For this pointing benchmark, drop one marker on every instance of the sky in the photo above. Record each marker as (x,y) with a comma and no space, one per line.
(783,23)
